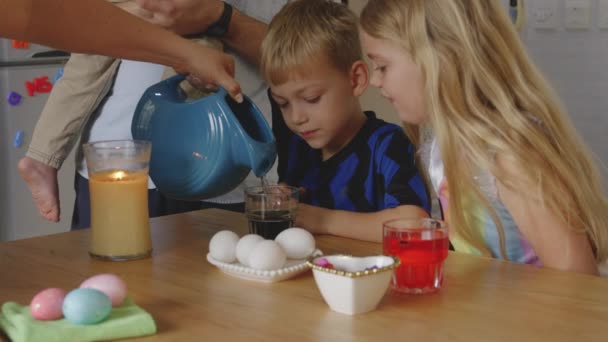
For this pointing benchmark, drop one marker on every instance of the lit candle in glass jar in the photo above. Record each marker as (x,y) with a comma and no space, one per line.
(120,228)
(119,213)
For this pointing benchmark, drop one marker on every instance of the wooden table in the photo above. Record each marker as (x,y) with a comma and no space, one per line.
(191,300)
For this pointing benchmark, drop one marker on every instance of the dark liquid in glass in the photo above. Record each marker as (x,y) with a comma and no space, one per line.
(270,223)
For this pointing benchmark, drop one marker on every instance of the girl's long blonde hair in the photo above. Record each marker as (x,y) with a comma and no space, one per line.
(485,98)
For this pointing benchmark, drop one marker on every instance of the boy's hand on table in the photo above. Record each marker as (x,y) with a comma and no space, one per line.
(310,218)
(366,226)
(301,190)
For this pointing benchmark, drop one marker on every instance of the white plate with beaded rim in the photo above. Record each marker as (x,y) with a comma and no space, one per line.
(292,268)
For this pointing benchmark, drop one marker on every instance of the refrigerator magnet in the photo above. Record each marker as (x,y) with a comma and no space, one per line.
(18,140)
(57,76)
(14,98)
(20,44)
(38,85)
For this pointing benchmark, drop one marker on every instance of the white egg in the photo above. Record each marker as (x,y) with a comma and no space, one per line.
(222,246)
(267,255)
(297,243)
(245,246)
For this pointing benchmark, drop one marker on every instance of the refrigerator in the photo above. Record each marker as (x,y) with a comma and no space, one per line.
(24,66)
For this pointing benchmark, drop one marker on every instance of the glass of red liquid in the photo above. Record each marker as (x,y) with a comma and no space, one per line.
(422,246)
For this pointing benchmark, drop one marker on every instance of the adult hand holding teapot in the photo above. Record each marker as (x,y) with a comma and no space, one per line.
(208,67)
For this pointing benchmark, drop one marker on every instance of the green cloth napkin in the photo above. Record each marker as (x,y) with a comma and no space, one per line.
(128,320)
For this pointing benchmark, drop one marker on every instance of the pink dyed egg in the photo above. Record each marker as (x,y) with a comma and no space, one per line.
(110,284)
(47,304)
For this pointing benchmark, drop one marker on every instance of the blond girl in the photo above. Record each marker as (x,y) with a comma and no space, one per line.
(514,179)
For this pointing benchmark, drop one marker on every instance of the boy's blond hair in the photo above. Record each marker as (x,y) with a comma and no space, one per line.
(309,31)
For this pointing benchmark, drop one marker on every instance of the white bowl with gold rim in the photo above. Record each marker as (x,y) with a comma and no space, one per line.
(355,284)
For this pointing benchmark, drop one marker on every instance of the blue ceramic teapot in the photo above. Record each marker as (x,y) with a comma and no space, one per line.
(201,148)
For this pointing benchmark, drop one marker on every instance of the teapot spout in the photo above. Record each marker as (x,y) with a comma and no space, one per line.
(254,134)
(262,157)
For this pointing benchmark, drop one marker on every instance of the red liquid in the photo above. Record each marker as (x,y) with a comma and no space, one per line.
(422,257)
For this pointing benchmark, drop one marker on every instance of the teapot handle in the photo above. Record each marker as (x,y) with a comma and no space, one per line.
(173,83)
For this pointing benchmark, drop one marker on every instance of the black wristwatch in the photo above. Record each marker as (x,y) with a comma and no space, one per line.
(219,28)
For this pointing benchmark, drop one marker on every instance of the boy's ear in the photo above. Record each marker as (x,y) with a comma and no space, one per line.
(359,77)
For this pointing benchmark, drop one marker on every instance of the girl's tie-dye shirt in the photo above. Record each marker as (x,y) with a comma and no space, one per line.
(517,248)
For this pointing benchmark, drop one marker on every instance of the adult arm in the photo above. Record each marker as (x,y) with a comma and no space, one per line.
(97,27)
(185,17)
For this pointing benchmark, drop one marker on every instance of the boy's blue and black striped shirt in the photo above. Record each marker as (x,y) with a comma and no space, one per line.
(375,171)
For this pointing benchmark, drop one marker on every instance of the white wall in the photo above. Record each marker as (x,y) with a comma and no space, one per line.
(576,63)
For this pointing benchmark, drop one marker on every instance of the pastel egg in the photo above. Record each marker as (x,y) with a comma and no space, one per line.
(267,255)
(222,246)
(111,285)
(297,243)
(86,306)
(47,304)
(245,246)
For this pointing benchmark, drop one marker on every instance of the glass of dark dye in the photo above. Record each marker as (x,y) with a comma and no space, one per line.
(271,209)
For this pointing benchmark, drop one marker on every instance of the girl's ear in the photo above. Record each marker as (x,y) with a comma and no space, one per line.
(359,77)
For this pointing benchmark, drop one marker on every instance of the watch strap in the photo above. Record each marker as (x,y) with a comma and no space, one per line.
(219,28)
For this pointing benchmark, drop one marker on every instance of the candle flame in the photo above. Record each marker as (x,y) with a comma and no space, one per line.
(118,175)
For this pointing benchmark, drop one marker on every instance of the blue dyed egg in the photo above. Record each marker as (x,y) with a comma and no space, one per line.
(86,306)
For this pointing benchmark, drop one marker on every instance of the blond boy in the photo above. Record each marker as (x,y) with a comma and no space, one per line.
(357,171)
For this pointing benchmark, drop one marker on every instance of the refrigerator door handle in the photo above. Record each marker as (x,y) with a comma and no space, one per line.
(39,58)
